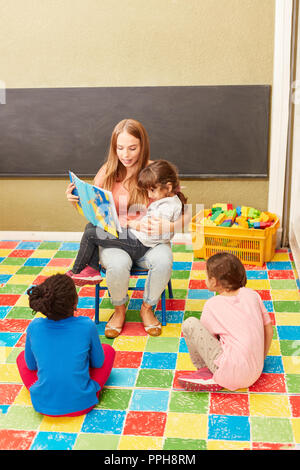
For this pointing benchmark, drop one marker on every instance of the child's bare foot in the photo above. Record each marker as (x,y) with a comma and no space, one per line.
(150,322)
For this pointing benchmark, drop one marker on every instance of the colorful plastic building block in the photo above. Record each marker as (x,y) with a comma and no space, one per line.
(221,217)
(242,221)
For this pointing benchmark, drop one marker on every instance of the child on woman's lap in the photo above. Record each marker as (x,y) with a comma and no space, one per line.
(64,365)
(230,342)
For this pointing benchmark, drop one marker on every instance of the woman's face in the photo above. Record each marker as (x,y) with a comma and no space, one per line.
(128,149)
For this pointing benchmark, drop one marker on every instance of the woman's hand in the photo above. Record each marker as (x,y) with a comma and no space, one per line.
(71,197)
(156,226)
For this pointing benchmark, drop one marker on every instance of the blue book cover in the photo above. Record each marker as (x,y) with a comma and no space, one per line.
(97,205)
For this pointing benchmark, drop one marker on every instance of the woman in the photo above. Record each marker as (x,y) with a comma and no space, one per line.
(129,153)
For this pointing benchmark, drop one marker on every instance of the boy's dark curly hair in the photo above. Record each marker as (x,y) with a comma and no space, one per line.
(228,270)
(56,297)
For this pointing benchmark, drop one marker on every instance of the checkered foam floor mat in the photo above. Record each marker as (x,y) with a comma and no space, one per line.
(141,406)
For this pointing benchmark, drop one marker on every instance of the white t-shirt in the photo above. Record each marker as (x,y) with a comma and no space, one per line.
(168,208)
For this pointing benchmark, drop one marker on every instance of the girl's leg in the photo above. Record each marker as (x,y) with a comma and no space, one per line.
(102,374)
(203,347)
(29,377)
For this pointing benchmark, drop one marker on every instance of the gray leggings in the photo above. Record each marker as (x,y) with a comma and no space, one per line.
(203,347)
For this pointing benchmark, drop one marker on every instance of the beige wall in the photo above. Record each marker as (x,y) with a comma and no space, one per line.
(65,43)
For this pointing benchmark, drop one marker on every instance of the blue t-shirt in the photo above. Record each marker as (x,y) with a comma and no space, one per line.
(62,352)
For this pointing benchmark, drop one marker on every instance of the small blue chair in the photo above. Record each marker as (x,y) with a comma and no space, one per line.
(135,271)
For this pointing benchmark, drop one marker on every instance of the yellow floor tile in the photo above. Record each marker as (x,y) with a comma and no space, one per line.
(269,405)
(105,314)
(130,343)
(189,257)
(180,283)
(291,364)
(23,301)
(281,257)
(186,426)
(50,270)
(4,353)
(296,429)
(259,284)
(195,304)
(184,362)
(9,269)
(171,330)
(274,348)
(44,254)
(66,424)
(227,445)
(5,252)
(288,319)
(9,373)
(25,279)
(285,294)
(140,443)
(23,397)
(197,275)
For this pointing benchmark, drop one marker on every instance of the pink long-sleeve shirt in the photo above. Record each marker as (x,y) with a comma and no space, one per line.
(239,322)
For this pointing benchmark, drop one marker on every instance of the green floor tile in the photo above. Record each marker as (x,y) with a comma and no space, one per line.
(158,344)
(13,289)
(133,315)
(182,248)
(114,399)
(154,378)
(293,383)
(65,254)
(290,348)
(105,340)
(96,442)
(20,417)
(264,429)
(11,358)
(30,270)
(106,303)
(10,261)
(283,284)
(49,245)
(180,275)
(177,294)
(172,443)
(286,306)
(189,402)
(191,313)
(21,312)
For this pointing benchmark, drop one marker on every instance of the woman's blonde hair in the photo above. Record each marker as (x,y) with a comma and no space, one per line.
(115,170)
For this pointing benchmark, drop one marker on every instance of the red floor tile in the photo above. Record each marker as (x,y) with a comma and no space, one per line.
(21,253)
(197,284)
(284,274)
(60,262)
(145,423)
(137,294)
(264,294)
(16,440)
(8,244)
(269,383)
(173,304)
(8,393)
(179,373)
(9,299)
(21,342)
(14,325)
(89,291)
(128,359)
(134,329)
(39,279)
(229,404)
(295,406)
(85,312)
(271,446)
(199,265)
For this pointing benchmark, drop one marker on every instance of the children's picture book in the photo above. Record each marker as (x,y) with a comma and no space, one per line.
(97,205)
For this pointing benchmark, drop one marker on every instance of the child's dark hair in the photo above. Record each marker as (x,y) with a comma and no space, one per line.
(228,270)
(56,297)
(158,174)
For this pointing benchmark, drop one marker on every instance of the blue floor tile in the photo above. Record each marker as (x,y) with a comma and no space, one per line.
(54,441)
(4,278)
(253,274)
(149,400)
(269,305)
(104,421)
(182,266)
(86,302)
(280,265)
(9,339)
(122,377)
(233,428)
(70,246)
(182,346)
(288,332)
(200,294)
(4,310)
(37,261)
(28,245)
(173,316)
(273,364)
(159,361)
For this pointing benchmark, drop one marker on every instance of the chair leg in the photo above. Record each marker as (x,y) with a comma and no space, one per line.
(97,293)
(163,309)
(170,289)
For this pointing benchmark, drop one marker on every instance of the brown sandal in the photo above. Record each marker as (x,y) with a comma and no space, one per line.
(113,331)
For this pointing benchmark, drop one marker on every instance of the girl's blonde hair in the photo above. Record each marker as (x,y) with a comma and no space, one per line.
(115,170)
(158,174)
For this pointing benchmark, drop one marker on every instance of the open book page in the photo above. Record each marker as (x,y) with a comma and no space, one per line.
(97,205)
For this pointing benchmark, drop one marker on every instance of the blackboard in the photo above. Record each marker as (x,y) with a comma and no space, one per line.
(207,131)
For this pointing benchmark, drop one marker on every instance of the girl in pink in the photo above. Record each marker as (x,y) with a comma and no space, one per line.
(231,341)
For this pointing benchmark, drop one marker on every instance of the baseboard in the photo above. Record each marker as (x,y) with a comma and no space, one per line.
(295,247)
